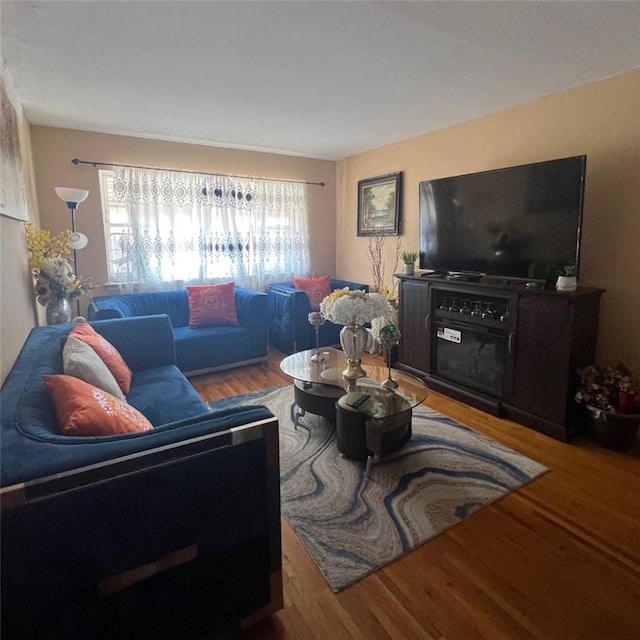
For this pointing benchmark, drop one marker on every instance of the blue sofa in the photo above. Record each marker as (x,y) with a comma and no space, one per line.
(203,349)
(289,328)
(171,532)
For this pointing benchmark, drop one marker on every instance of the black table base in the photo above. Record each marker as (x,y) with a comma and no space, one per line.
(360,437)
(319,399)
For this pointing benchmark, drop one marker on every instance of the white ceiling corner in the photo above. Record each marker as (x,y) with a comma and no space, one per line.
(322,79)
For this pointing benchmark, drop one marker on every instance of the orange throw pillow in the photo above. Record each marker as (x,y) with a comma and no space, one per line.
(317,289)
(107,352)
(85,410)
(212,305)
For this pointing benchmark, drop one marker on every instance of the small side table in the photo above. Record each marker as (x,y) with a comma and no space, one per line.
(374,428)
(360,436)
(316,398)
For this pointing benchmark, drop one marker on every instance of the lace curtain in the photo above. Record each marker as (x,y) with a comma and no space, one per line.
(191,228)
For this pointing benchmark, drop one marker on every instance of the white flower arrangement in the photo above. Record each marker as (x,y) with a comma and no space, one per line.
(56,281)
(378,324)
(344,306)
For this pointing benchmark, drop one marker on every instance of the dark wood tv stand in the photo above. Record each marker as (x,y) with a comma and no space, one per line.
(519,363)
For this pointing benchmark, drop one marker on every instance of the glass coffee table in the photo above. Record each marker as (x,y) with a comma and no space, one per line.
(371,418)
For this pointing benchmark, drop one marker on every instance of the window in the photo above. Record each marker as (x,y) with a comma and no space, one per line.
(117,230)
(164,227)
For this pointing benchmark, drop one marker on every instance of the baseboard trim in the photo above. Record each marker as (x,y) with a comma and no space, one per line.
(224,367)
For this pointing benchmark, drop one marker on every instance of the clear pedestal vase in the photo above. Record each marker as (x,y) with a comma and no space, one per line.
(389,336)
(316,320)
(58,311)
(389,383)
(354,340)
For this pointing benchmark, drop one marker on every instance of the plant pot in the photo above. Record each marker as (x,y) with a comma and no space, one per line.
(566,283)
(408,269)
(614,430)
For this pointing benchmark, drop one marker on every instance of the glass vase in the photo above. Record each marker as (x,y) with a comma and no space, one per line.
(58,311)
(316,319)
(389,383)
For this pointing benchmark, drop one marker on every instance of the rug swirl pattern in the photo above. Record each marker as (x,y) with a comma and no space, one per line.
(352,526)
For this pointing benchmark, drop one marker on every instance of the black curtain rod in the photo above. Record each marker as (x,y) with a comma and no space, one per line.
(95,163)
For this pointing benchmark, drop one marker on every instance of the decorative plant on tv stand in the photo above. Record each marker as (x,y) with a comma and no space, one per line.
(614,405)
(409,258)
(567,278)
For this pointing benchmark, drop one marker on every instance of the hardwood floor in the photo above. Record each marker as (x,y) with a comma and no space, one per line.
(558,558)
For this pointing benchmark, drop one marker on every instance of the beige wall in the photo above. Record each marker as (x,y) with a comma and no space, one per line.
(17,302)
(54,148)
(602,120)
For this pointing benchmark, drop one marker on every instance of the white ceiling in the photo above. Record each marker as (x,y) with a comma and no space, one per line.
(324,79)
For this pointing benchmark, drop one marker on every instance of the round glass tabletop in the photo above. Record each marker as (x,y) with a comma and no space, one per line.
(374,395)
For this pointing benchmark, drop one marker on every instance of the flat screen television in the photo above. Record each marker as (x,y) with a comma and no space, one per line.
(520,222)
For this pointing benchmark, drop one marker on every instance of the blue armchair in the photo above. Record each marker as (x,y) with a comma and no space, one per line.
(289,328)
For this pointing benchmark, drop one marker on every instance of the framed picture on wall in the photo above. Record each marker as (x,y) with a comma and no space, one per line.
(379,205)
(13,201)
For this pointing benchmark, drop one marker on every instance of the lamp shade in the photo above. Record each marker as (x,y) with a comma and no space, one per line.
(69,194)
(78,241)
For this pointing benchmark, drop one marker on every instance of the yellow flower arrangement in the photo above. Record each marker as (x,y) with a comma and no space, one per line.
(49,263)
(339,293)
(42,245)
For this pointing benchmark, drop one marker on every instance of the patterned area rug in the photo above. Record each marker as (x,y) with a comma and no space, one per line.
(352,526)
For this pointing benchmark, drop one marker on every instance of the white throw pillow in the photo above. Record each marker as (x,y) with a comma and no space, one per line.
(81,361)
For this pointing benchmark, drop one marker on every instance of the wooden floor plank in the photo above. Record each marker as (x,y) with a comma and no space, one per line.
(557,559)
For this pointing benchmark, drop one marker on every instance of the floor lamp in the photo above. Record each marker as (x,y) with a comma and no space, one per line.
(73,197)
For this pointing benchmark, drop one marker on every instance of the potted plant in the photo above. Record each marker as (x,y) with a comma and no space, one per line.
(409,258)
(567,278)
(614,405)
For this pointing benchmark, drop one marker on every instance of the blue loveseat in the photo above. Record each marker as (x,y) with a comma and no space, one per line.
(172,532)
(289,328)
(202,349)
